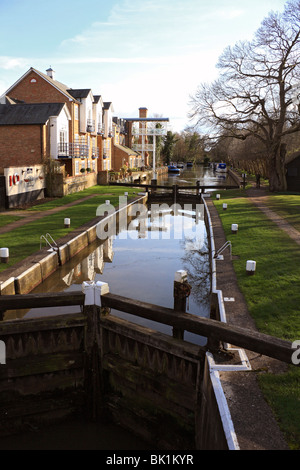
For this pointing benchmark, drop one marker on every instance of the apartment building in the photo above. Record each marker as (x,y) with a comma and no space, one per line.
(80,144)
(79,139)
(43,120)
(123,156)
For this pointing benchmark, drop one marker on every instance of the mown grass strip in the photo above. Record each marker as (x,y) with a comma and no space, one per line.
(287,206)
(25,240)
(106,191)
(8,219)
(272,295)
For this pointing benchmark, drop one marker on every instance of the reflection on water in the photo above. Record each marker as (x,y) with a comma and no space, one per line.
(140,263)
(190,176)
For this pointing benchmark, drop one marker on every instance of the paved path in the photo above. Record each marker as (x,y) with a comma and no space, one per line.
(28,216)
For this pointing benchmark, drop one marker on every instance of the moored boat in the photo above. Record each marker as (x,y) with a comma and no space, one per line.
(173,169)
(222,167)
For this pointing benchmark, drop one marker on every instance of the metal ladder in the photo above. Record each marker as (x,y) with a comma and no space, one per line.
(220,250)
(53,245)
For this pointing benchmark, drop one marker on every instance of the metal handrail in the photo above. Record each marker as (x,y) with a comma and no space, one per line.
(47,241)
(220,250)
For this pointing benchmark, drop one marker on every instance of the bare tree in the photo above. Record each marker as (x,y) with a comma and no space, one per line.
(257,89)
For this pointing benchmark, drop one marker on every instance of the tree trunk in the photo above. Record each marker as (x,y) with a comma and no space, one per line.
(277,172)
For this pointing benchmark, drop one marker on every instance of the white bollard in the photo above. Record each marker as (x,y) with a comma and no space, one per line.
(88,290)
(67,222)
(224,207)
(93,291)
(234,228)
(4,253)
(218,196)
(251,267)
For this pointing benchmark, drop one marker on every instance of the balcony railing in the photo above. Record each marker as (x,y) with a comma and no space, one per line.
(74,150)
(95,152)
(100,129)
(90,125)
(150,131)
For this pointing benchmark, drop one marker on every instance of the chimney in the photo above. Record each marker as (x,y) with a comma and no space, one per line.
(143,112)
(50,73)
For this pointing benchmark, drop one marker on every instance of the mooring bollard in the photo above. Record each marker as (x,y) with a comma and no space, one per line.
(251,267)
(4,253)
(234,228)
(67,222)
(182,291)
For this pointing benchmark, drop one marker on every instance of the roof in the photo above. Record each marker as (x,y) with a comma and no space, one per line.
(107,104)
(38,113)
(58,85)
(97,98)
(126,150)
(80,92)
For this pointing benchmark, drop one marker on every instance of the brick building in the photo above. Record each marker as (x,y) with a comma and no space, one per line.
(42,119)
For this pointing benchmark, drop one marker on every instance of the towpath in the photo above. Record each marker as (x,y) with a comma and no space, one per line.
(254,422)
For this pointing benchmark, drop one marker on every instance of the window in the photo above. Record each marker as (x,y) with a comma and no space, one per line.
(62,141)
(76,112)
(76,167)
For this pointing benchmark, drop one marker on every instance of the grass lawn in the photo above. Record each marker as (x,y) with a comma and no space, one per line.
(272,294)
(25,240)
(286,206)
(7,219)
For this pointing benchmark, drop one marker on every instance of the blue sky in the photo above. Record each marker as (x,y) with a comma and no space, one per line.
(135,53)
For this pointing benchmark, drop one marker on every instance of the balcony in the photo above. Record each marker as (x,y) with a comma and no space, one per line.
(143,147)
(74,150)
(90,125)
(100,130)
(95,152)
(157,131)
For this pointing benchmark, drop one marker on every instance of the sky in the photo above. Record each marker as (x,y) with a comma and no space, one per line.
(134,53)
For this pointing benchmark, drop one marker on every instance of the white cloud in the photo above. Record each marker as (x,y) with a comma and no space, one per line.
(12,63)
(230,14)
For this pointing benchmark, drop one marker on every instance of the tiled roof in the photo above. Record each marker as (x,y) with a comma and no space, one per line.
(38,113)
(79,93)
(126,149)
